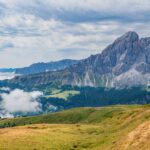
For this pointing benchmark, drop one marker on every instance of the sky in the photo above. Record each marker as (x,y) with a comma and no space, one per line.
(48,30)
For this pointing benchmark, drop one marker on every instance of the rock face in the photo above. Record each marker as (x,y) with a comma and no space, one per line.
(124,63)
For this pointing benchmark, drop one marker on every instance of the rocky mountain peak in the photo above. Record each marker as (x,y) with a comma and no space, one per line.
(121,55)
(128,37)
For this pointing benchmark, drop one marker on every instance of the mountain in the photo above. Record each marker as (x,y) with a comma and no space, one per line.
(124,63)
(40,67)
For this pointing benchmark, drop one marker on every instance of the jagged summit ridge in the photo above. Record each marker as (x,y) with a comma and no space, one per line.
(129,36)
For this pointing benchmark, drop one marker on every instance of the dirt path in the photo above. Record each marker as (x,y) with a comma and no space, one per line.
(138,139)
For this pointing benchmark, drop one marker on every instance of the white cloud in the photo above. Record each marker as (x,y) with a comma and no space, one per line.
(7,89)
(6,75)
(20,101)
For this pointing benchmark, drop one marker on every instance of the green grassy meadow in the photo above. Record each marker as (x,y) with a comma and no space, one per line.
(63,94)
(106,128)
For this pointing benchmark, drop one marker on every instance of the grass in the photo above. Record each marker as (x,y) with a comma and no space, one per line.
(55,91)
(63,94)
(107,128)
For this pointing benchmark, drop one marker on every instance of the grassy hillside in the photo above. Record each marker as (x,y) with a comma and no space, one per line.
(107,128)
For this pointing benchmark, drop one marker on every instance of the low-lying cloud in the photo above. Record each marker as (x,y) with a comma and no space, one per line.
(6,75)
(6,89)
(20,101)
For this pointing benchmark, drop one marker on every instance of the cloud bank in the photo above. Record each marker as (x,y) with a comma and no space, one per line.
(19,101)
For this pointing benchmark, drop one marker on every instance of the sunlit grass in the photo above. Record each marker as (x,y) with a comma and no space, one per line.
(64,94)
(106,128)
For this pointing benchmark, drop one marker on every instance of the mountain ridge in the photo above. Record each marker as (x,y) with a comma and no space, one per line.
(41,67)
(124,63)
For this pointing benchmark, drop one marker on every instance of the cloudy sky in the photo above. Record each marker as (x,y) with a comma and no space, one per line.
(46,30)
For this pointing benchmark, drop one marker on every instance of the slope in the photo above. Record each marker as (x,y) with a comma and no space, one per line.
(106,128)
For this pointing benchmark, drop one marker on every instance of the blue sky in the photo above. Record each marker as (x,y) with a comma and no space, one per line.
(46,30)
